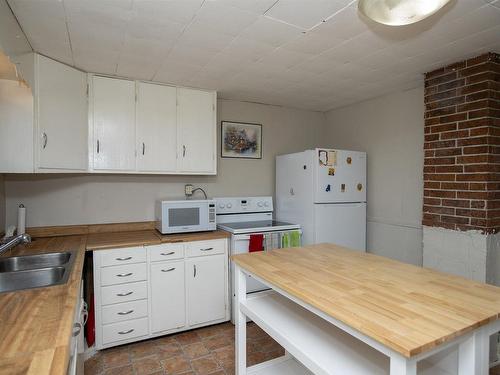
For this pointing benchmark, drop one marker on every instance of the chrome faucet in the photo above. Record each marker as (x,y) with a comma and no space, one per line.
(14,241)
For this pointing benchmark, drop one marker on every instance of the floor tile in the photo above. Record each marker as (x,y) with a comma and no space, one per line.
(115,357)
(142,349)
(187,338)
(195,350)
(205,365)
(123,370)
(147,365)
(176,365)
(216,342)
(170,350)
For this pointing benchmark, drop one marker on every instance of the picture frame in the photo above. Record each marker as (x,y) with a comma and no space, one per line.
(241,140)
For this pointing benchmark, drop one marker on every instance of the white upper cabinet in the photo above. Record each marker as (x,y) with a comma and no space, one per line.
(60,116)
(196,131)
(156,128)
(113,145)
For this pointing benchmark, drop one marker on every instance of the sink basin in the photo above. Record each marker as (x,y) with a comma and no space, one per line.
(29,262)
(10,281)
(35,271)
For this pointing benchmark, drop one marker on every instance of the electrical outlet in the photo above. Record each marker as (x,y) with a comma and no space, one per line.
(188,190)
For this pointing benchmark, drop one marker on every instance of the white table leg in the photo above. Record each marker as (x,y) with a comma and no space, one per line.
(473,354)
(240,322)
(403,366)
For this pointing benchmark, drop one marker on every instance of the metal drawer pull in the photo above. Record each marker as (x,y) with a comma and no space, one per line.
(194,270)
(143,148)
(124,274)
(125,312)
(170,269)
(165,254)
(127,258)
(45,139)
(98,146)
(124,294)
(126,332)
(77,328)
(207,249)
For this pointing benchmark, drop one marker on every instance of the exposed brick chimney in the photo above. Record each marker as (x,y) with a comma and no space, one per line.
(462,145)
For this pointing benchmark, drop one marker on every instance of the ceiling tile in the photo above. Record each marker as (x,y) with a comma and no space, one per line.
(181,11)
(305,14)
(346,24)
(272,32)
(256,6)
(312,43)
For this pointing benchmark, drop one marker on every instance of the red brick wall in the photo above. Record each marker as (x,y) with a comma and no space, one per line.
(462,145)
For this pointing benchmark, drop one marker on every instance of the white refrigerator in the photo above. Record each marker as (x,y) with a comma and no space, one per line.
(324,190)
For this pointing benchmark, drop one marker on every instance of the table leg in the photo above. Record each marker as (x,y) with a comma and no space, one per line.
(403,366)
(473,354)
(240,322)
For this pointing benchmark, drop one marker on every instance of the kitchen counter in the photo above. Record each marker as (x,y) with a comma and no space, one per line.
(408,309)
(36,324)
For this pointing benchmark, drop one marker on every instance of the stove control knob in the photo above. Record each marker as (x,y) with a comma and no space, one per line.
(260,204)
(229,205)
(266,204)
(221,205)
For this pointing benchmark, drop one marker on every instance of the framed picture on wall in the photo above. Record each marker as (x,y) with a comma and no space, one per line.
(241,140)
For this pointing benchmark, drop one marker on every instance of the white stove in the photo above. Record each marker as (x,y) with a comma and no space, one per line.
(247,216)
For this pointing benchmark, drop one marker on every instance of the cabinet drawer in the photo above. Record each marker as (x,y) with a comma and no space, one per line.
(125,255)
(127,273)
(124,311)
(166,252)
(201,248)
(124,330)
(123,293)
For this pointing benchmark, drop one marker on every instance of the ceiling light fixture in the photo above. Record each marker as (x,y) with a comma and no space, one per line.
(399,12)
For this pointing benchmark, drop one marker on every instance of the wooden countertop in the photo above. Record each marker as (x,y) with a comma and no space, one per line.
(407,308)
(100,241)
(36,324)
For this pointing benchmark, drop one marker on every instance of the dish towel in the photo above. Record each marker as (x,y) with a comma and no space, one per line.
(255,243)
(285,240)
(295,238)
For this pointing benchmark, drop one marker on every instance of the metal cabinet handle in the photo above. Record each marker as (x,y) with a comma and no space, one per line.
(126,332)
(169,270)
(98,146)
(207,249)
(126,258)
(143,148)
(170,253)
(45,139)
(124,294)
(125,274)
(77,328)
(125,312)
(183,151)
(194,270)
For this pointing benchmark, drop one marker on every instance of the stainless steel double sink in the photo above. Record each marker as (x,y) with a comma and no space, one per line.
(35,271)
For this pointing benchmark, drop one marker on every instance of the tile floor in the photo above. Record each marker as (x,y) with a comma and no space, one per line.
(208,350)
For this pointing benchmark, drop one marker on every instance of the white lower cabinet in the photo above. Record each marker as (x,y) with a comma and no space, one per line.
(168,297)
(206,278)
(169,288)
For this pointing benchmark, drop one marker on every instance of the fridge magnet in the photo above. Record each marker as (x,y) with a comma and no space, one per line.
(241,140)
(331,171)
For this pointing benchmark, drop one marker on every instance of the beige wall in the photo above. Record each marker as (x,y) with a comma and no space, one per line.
(2,204)
(391,130)
(76,199)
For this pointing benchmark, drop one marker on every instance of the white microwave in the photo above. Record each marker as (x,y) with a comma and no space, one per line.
(185,216)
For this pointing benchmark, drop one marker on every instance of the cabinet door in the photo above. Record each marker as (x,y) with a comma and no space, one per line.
(156,128)
(114,124)
(168,304)
(61,115)
(196,131)
(206,283)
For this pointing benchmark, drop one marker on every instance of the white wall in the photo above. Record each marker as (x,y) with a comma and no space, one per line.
(391,130)
(78,199)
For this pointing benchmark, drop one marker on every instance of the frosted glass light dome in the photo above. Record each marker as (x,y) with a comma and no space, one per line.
(399,12)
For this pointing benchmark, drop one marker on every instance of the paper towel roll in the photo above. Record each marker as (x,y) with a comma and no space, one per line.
(21,219)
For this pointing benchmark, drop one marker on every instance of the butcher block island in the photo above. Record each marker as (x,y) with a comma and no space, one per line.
(337,311)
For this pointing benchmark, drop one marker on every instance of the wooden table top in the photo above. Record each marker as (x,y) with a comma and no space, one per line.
(407,308)
(36,324)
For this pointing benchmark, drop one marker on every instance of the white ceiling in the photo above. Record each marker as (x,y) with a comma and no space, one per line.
(313,54)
